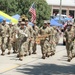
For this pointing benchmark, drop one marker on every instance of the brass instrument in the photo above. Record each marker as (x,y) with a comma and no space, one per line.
(41,37)
(23,17)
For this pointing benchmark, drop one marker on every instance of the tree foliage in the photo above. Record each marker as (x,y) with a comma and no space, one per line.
(12,7)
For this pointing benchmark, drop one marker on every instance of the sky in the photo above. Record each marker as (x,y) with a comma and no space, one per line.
(64,2)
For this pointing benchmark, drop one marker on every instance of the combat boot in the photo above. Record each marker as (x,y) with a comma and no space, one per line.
(43,56)
(52,53)
(14,52)
(33,52)
(25,54)
(8,53)
(18,55)
(21,57)
(3,53)
(73,55)
(29,53)
(69,59)
(47,55)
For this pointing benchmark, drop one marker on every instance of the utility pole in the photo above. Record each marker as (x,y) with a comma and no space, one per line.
(60,10)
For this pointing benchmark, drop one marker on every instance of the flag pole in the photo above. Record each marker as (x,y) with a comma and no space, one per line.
(60,11)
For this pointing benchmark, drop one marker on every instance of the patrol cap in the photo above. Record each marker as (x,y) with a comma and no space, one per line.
(20,20)
(45,22)
(48,21)
(13,24)
(10,23)
(4,20)
(26,19)
(54,27)
(22,23)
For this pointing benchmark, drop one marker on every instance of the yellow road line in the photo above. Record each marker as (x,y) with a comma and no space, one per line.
(9,68)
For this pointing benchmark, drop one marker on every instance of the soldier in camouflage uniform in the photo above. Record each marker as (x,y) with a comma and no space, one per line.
(73,51)
(19,22)
(54,40)
(5,37)
(10,39)
(51,39)
(44,31)
(58,34)
(30,29)
(9,45)
(15,38)
(1,32)
(69,35)
(35,34)
(22,37)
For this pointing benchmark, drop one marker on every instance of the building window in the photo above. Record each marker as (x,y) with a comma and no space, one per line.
(55,11)
(64,12)
(71,13)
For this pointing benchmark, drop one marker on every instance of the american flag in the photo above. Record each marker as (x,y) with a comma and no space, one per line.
(33,12)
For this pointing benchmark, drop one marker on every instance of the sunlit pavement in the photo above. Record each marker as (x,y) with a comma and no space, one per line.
(34,65)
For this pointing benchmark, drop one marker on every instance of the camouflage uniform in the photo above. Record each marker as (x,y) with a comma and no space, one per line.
(12,40)
(22,37)
(73,51)
(44,41)
(35,34)
(5,37)
(55,37)
(52,41)
(15,39)
(1,32)
(52,44)
(69,35)
(19,22)
(30,29)
(11,31)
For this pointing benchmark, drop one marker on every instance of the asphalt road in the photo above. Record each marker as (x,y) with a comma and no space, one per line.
(34,65)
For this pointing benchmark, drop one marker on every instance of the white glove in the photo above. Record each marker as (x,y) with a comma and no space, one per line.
(7,35)
(26,35)
(23,33)
(16,36)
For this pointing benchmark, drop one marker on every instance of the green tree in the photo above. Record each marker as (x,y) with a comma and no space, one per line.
(42,9)
(8,6)
(12,7)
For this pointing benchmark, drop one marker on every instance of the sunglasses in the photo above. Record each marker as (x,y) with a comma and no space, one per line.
(45,23)
(26,21)
(22,24)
